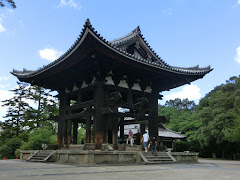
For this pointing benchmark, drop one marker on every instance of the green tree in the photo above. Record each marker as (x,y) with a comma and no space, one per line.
(180,115)
(8,149)
(219,114)
(38,137)
(17,106)
(45,106)
(81,135)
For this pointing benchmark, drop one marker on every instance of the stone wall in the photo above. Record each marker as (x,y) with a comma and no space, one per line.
(97,157)
(26,153)
(107,157)
(185,157)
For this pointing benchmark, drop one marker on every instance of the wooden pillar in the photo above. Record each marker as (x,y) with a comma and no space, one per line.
(122,129)
(75,132)
(99,118)
(69,132)
(115,133)
(62,105)
(153,116)
(88,129)
(93,130)
(64,130)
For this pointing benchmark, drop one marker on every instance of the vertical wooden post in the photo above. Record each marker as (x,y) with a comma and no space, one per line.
(65,141)
(62,105)
(122,129)
(153,116)
(88,129)
(69,132)
(115,132)
(99,121)
(93,130)
(75,132)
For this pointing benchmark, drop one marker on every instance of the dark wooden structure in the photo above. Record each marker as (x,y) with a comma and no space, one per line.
(100,83)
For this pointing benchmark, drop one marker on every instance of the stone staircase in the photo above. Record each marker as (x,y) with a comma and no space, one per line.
(41,156)
(161,158)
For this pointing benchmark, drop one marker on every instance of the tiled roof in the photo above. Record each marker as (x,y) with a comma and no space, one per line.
(162,132)
(114,45)
(169,133)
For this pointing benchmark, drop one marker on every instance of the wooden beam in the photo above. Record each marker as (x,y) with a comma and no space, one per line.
(107,110)
(80,105)
(79,115)
(127,122)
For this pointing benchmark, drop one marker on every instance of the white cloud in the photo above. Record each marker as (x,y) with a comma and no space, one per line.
(69,3)
(50,54)
(167,11)
(192,92)
(2,29)
(236,5)
(237,57)
(2,86)
(4,78)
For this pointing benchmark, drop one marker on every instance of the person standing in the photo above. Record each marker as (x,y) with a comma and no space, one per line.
(154,145)
(130,138)
(145,140)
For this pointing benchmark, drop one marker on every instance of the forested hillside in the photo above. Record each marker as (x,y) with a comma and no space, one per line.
(213,126)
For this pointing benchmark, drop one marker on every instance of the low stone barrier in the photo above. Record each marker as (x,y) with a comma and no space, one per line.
(97,157)
(185,157)
(107,157)
(26,154)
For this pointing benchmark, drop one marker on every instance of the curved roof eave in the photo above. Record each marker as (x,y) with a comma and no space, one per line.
(89,29)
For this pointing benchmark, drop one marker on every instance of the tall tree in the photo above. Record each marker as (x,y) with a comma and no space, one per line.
(219,112)
(179,114)
(17,106)
(45,106)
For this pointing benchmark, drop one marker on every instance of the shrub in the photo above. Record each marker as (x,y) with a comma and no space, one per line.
(8,149)
(38,137)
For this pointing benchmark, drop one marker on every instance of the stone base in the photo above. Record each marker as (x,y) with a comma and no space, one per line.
(133,148)
(97,157)
(185,157)
(129,156)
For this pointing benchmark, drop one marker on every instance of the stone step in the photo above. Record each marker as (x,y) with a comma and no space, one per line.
(151,155)
(160,162)
(40,155)
(36,160)
(158,157)
(161,158)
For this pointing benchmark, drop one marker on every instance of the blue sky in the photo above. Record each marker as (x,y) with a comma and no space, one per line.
(184,33)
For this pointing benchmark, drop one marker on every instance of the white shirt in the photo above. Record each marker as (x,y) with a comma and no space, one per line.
(145,137)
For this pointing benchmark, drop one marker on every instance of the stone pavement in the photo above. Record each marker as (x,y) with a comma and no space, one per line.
(206,169)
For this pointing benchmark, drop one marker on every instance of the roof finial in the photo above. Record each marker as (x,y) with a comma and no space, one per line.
(87,23)
(137,30)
